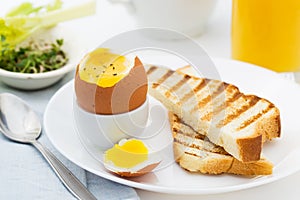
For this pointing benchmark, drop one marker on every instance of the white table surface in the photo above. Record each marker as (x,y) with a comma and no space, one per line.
(113,19)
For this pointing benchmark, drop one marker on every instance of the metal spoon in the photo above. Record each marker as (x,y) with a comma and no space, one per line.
(20,124)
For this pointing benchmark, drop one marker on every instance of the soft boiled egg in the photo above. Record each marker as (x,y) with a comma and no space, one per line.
(130,157)
(108,83)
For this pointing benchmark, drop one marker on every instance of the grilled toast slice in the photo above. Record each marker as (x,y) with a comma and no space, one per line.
(239,123)
(195,153)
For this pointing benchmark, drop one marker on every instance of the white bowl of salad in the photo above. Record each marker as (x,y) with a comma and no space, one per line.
(41,56)
(41,60)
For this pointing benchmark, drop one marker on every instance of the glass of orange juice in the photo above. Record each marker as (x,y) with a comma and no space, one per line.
(267,33)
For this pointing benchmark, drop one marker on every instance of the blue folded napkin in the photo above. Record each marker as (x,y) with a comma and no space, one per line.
(24,174)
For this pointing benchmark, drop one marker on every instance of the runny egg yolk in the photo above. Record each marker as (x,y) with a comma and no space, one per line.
(128,154)
(103,68)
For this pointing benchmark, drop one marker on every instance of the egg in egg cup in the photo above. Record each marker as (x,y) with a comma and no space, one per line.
(110,101)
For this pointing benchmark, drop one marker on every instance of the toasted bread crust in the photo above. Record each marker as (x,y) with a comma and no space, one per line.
(250,148)
(270,127)
(261,167)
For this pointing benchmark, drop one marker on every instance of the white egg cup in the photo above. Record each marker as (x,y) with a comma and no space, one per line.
(103,131)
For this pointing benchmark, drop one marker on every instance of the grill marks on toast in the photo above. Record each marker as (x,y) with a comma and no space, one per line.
(208,98)
(212,95)
(163,78)
(255,117)
(250,102)
(213,89)
(180,83)
(197,136)
(184,134)
(195,90)
(151,69)
(232,95)
(199,144)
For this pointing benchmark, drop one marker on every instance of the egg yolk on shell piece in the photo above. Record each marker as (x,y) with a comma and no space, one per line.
(127,155)
(104,68)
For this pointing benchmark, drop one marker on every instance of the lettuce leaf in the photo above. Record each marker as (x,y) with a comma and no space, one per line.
(25,19)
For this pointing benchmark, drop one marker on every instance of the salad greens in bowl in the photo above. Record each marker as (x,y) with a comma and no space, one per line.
(36,51)
(27,73)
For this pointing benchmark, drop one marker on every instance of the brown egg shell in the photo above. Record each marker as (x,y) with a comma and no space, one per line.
(140,172)
(126,95)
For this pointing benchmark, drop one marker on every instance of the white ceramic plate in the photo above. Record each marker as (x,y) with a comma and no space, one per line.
(284,152)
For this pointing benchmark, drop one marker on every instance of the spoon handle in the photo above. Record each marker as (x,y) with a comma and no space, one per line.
(65,175)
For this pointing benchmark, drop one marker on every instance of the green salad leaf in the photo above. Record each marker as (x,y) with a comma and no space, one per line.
(26,19)
(23,10)
(33,58)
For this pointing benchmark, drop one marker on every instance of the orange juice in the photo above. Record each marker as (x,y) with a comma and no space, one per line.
(267,33)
